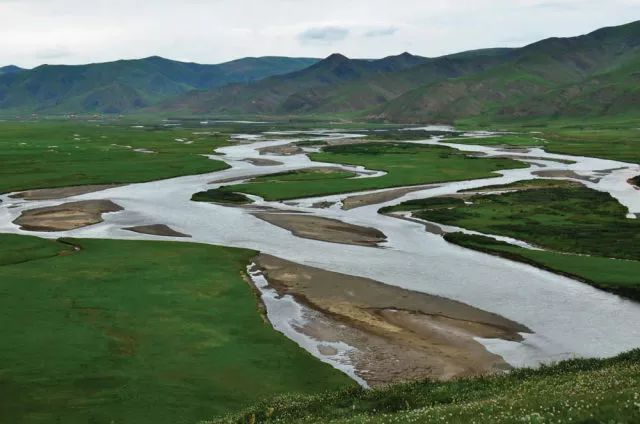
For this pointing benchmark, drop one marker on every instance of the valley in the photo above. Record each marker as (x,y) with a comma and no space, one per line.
(313,185)
(310,237)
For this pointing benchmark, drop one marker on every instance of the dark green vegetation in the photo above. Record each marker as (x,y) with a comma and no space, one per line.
(566,218)
(584,391)
(137,332)
(57,154)
(594,75)
(572,218)
(615,275)
(405,164)
(221,195)
(635,181)
(432,203)
(125,85)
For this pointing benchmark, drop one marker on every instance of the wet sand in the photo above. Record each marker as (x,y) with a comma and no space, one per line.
(399,335)
(518,157)
(156,230)
(67,216)
(263,162)
(62,192)
(380,197)
(324,229)
(323,205)
(564,174)
(283,150)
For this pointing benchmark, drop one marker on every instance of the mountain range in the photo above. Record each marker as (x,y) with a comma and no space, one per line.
(126,85)
(596,74)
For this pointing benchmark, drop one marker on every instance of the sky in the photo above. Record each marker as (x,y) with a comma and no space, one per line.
(34,32)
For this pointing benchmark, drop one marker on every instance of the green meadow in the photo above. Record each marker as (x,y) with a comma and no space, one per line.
(51,154)
(585,233)
(607,138)
(102,331)
(405,164)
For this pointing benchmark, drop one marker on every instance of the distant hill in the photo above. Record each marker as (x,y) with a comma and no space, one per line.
(11,69)
(125,85)
(594,74)
(295,92)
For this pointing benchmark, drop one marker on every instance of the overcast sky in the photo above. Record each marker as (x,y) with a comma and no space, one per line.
(33,32)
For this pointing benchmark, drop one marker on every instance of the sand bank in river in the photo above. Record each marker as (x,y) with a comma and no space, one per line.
(61,193)
(262,162)
(156,230)
(564,174)
(399,334)
(379,197)
(324,229)
(67,216)
(282,150)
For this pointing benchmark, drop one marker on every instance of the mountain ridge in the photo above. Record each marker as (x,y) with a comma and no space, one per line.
(140,82)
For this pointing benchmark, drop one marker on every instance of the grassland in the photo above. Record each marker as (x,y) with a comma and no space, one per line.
(616,139)
(572,218)
(405,164)
(137,332)
(586,231)
(58,154)
(580,390)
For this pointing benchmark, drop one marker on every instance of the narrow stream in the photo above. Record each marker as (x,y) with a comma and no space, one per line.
(568,318)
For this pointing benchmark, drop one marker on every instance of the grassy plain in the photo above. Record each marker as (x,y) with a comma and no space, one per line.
(405,164)
(586,231)
(50,154)
(607,138)
(137,332)
(580,390)
(569,218)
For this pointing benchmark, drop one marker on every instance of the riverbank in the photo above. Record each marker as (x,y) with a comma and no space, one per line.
(398,335)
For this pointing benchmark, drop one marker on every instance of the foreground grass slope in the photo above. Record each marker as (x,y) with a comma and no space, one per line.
(57,154)
(137,332)
(580,390)
(405,164)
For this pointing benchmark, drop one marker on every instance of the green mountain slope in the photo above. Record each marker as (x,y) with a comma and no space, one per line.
(294,92)
(552,77)
(593,74)
(121,86)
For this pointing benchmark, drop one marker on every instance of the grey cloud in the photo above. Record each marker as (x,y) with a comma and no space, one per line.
(381,32)
(326,34)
